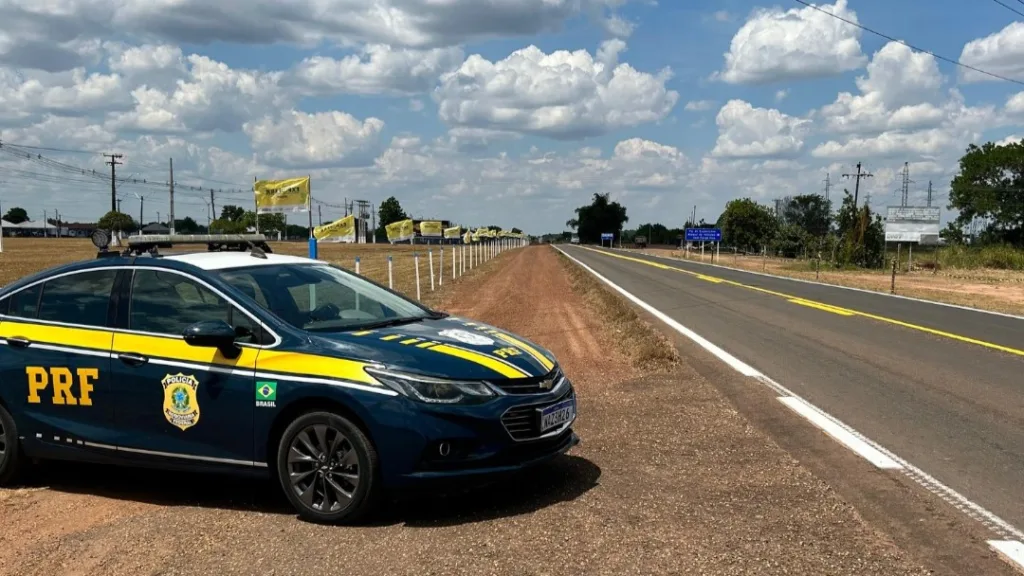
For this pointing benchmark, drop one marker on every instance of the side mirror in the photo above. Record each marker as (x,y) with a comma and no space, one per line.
(212,334)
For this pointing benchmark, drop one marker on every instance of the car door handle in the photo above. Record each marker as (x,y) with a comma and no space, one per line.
(19,342)
(133,359)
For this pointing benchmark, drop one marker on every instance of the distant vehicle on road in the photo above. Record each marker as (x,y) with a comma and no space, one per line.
(640,241)
(575,240)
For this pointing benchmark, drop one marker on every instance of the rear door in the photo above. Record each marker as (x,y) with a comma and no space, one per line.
(55,361)
(177,401)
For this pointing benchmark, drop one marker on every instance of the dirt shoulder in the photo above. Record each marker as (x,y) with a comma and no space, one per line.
(669,479)
(995,290)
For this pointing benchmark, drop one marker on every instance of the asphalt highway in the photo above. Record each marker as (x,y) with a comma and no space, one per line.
(941,387)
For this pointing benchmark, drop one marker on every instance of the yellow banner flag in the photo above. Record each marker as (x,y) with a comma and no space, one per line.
(453,232)
(291,195)
(431,229)
(400,231)
(467,237)
(344,229)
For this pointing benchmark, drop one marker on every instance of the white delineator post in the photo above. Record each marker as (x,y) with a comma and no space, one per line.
(430,255)
(416,257)
(462,259)
(440,270)
(391,276)
(455,264)
(357,274)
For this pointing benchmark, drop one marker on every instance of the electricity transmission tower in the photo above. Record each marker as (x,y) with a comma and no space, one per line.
(905,198)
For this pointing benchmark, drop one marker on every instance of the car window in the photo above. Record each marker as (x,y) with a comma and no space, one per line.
(167,303)
(320,296)
(25,304)
(81,298)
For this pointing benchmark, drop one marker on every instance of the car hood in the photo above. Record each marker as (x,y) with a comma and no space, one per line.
(450,347)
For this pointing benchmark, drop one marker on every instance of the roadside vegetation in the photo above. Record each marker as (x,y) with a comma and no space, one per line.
(647,348)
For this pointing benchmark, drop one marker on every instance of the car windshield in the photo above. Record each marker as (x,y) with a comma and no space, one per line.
(322,298)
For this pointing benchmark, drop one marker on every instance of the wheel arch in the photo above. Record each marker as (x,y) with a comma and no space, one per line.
(302,406)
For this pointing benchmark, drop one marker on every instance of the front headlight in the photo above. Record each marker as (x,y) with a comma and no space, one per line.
(434,390)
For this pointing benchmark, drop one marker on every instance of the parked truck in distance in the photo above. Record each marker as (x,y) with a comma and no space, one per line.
(640,241)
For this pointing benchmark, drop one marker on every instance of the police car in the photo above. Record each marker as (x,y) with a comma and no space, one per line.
(236,359)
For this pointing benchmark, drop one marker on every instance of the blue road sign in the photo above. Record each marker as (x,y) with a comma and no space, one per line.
(703,234)
(607,236)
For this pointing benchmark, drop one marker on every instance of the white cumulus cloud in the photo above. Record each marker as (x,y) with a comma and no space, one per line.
(563,95)
(322,139)
(775,45)
(1001,53)
(748,132)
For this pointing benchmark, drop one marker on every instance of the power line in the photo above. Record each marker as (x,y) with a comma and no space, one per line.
(911,46)
(1010,8)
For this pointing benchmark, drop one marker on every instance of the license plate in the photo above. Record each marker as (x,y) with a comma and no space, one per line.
(555,416)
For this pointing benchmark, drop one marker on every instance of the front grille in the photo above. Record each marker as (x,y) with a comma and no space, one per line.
(523,422)
(534,385)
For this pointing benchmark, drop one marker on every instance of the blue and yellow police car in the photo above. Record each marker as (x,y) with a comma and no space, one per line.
(236,359)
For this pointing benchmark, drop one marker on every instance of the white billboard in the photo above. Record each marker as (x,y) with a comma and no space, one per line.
(912,224)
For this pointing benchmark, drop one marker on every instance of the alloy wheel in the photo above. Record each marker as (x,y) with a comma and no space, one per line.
(323,468)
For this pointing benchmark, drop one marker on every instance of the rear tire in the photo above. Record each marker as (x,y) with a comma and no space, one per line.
(12,459)
(328,469)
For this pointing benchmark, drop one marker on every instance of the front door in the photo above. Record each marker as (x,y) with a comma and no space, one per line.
(55,366)
(177,401)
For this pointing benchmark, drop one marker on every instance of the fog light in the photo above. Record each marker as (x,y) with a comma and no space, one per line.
(444,449)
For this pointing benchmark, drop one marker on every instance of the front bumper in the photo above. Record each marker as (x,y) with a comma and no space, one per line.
(424,442)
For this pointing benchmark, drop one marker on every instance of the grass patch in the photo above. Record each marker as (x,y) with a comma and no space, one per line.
(647,348)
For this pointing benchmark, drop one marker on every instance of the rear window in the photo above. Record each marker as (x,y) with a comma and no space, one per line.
(81,298)
(25,304)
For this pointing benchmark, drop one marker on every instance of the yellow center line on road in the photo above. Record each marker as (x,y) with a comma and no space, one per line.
(823,306)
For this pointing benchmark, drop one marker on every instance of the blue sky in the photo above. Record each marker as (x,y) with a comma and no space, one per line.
(447,120)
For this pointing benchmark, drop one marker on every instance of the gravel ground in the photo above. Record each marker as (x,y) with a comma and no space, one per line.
(669,479)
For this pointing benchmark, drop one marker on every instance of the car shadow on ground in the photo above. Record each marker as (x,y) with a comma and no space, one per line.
(562,479)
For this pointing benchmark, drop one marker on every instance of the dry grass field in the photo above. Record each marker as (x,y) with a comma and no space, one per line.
(984,288)
(24,256)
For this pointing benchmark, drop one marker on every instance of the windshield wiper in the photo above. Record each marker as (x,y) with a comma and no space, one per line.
(388,322)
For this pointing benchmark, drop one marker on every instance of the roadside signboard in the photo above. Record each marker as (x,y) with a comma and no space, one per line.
(607,236)
(703,234)
(912,224)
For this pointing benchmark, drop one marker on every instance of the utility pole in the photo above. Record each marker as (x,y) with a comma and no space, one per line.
(929,193)
(905,198)
(172,196)
(142,200)
(213,207)
(113,163)
(828,188)
(856,186)
(118,206)
(320,214)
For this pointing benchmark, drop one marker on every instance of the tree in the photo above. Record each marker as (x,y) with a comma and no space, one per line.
(989,185)
(16,215)
(269,223)
(809,212)
(224,226)
(747,225)
(517,231)
(186,226)
(232,213)
(601,215)
(118,221)
(390,211)
(861,233)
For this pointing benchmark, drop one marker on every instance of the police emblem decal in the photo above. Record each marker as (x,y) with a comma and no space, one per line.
(181,403)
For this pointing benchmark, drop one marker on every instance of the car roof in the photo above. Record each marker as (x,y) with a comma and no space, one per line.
(227,260)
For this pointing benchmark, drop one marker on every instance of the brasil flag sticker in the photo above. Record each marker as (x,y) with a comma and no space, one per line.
(266,394)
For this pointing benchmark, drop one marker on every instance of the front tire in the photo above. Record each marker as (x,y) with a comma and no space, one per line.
(12,460)
(328,469)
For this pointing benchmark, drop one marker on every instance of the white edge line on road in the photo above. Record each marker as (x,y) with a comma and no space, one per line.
(1010,550)
(950,496)
(864,290)
(840,434)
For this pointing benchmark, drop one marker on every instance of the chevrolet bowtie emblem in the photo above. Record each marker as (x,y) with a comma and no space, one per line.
(547,384)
